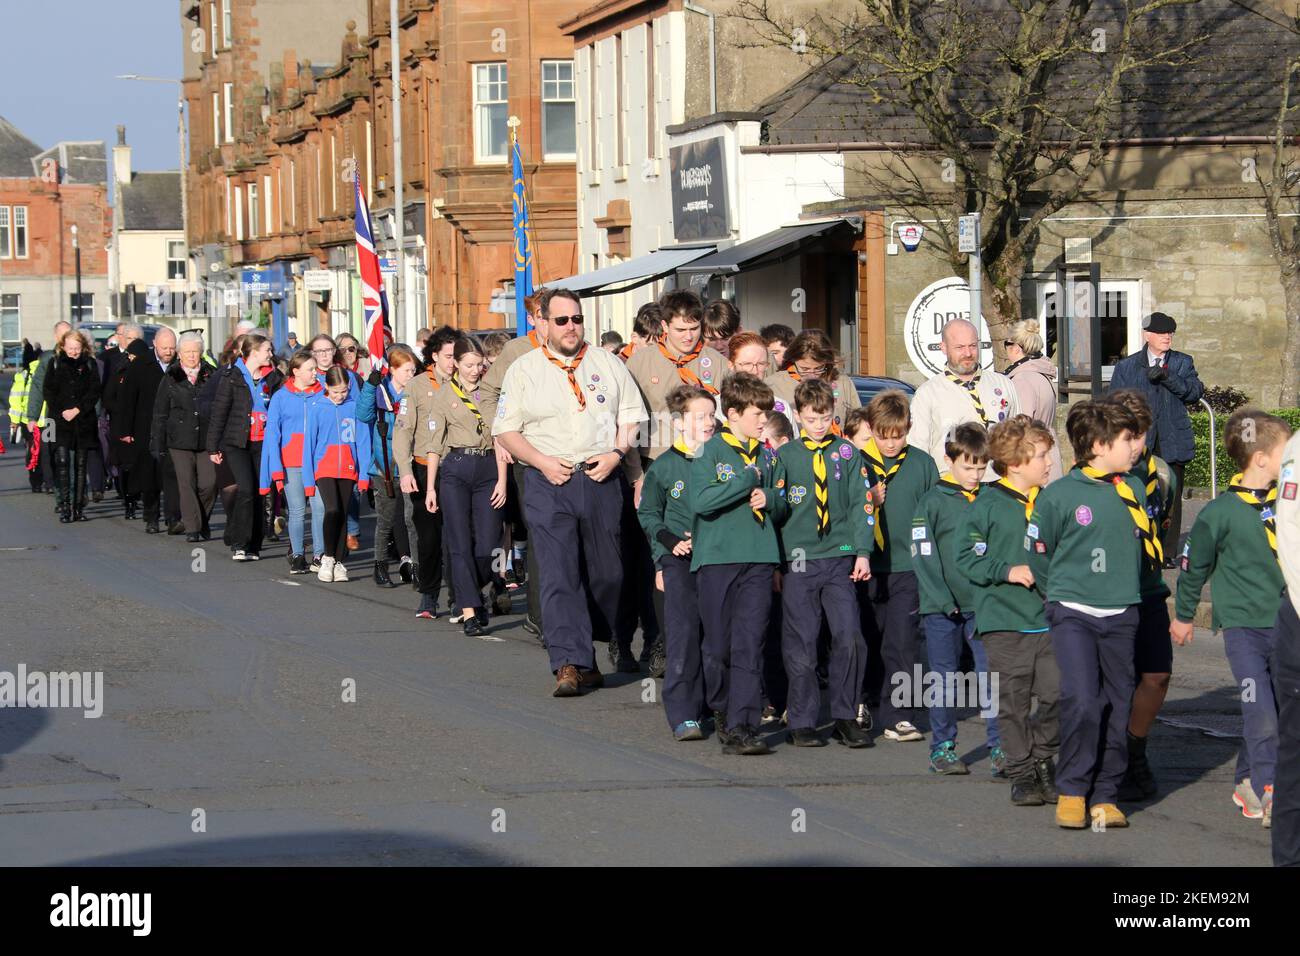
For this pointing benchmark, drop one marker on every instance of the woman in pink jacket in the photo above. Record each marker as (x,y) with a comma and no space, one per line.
(1034,377)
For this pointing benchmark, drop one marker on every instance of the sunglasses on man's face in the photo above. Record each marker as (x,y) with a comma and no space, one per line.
(349,348)
(563,320)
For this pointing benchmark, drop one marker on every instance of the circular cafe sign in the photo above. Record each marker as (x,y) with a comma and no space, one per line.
(937,305)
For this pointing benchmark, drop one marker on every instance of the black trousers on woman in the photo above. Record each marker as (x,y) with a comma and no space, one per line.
(472,525)
(244,520)
(336,494)
(428,534)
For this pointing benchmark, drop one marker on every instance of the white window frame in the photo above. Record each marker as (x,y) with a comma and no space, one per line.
(320,188)
(18,311)
(268,208)
(334,178)
(20,243)
(212,27)
(226,24)
(479,109)
(571,156)
(228,98)
(1133,288)
(239,214)
(254,211)
(230,205)
(216,118)
(178,259)
(6,237)
(293,191)
(83,312)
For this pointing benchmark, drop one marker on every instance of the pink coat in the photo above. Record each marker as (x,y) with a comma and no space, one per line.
(1035,383)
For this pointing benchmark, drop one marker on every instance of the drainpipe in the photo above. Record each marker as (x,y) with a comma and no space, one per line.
(713,55)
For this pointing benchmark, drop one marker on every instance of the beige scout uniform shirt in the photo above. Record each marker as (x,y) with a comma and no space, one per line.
(490,384)
(413,431)
(1288,519)
(783,385)
(455,425)
(656,376)
(537,402)
(939,405)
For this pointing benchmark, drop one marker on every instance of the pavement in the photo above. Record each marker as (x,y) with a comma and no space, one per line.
(226,738)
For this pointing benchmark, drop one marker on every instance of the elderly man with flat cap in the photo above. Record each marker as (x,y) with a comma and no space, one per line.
(1168,380)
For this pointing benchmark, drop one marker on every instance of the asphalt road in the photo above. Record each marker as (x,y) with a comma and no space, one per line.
(223,693)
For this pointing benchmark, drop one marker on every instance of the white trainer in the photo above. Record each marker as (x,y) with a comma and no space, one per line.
(326,572)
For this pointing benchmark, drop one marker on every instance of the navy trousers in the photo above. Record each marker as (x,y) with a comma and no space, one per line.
(1286,791)
(890,615)
(1095,657)
(684,672)
(1250,656)
(823,585)
(572,526)
(735,601)
(471,526)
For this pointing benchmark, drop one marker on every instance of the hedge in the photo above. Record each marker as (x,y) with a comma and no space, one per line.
(1198,469)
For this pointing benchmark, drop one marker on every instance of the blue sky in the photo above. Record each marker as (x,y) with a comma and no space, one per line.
(58,82)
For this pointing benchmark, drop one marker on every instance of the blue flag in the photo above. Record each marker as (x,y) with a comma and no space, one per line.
(523,248)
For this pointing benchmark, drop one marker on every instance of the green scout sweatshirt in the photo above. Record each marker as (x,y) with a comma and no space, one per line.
(725,530)
(915,476)
(665,512)
(1082,544)
(1229,546)
(852,515)
(992,537)
(934,549)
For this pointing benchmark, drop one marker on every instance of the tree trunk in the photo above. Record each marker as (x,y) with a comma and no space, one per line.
(1000,303)
(1291,350)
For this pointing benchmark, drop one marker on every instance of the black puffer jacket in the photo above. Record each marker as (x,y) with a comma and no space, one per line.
(232,406)
(177,421)
(73,384)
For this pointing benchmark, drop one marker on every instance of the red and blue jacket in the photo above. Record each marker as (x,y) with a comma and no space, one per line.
(286,423)
(335,445)
(354,382)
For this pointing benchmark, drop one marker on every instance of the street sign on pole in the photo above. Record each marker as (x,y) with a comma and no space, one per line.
(968,233)
(968,241)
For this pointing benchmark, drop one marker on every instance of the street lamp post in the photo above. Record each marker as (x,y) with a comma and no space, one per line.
(76,254)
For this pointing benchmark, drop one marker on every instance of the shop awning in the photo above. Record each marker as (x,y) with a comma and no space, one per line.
(633,273)
(774,246)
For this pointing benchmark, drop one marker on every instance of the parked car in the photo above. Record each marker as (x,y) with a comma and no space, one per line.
(869,386)
(101,332)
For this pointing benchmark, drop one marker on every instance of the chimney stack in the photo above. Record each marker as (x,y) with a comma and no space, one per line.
(121,158)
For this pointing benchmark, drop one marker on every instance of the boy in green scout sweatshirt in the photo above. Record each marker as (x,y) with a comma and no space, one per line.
(666,518)
(900,475)
(737,494)
(827,539)
(1086,541)
(947,597)
(1153,651)
(1234,544)
(1009,615)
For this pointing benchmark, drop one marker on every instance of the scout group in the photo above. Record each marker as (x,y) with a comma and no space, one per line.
(805,555)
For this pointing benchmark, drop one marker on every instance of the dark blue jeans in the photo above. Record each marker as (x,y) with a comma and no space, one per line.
(1250,652)
(944,635)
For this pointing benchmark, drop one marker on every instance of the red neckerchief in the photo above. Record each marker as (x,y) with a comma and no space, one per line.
(687,376)
(570,370)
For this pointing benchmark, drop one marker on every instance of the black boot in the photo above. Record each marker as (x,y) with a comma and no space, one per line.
(78,487)
(63,484)
(1139,782)
(381,575)
(129,506)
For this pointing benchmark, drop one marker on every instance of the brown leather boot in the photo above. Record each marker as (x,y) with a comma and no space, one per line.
(592,679)
(566,682)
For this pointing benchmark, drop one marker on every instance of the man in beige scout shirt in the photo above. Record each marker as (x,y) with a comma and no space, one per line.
(570,413)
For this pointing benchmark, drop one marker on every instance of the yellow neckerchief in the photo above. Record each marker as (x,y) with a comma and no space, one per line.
(1150,542)
(821,493)
(1263,505)
(1146,470)
(680,446)
(972,389)
(1005,485)
(454,381)
(876,461)
(948,481)
(748,454)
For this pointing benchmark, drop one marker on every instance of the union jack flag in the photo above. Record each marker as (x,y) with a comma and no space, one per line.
(374,302)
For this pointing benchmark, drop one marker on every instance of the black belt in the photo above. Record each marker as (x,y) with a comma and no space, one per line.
(470,451)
